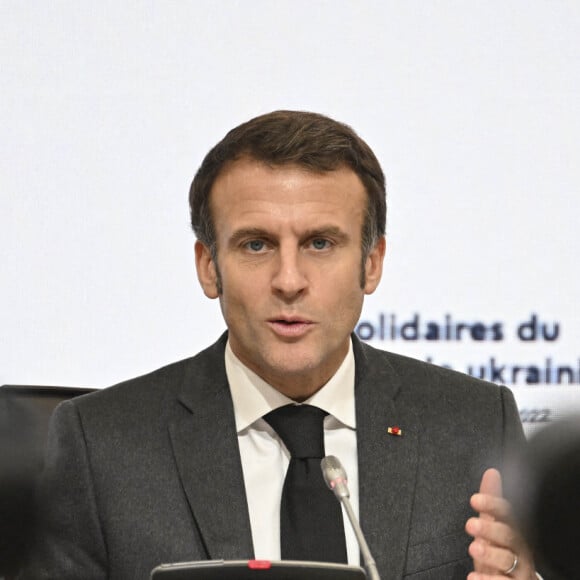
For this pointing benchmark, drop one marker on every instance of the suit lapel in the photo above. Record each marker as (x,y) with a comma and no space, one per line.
(206,451)
(387,463)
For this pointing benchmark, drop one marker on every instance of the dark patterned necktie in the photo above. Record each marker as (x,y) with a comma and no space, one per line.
(311,526)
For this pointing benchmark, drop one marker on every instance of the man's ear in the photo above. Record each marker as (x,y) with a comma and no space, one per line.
(206,270)
(374,266)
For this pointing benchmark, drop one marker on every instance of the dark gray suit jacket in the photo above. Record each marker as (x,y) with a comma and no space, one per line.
(149,471)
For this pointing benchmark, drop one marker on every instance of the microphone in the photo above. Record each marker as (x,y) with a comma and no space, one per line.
(335,477)
(543,489)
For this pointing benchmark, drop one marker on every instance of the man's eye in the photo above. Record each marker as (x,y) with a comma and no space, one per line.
(255,245)
(320,244)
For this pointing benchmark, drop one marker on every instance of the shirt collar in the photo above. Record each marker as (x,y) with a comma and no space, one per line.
(253,397)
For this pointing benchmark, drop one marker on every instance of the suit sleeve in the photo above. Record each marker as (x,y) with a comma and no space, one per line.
(69,543)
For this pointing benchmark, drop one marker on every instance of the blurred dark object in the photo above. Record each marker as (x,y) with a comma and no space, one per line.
(545,493)
(24,416)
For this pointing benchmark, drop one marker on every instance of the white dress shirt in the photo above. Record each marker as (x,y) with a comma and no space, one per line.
(265,457)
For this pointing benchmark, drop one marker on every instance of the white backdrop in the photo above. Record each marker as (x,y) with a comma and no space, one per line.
(473,108)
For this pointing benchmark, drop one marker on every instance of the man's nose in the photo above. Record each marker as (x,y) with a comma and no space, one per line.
(289,277)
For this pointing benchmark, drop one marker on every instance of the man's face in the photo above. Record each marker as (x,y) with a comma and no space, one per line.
(289,258)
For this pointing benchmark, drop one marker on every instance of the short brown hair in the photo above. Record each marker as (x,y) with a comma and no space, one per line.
(310,140)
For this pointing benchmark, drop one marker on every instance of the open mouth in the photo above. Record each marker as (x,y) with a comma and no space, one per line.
(290,327)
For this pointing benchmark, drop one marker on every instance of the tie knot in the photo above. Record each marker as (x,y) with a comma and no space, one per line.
(301,429)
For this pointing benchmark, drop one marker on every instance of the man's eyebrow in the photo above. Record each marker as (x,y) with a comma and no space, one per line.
(245,233)
(260,233)
(325,231)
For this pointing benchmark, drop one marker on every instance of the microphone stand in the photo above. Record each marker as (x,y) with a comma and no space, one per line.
(335,477)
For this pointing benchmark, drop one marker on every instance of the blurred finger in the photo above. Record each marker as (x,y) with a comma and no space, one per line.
(491,559)
(493,532)
(491,506)
(491,483)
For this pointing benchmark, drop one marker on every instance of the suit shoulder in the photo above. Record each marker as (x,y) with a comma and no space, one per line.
(445,404)
(154,386)
(428,376)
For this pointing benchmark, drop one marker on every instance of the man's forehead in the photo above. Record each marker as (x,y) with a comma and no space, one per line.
(254,196)
(252,186)
(249,163)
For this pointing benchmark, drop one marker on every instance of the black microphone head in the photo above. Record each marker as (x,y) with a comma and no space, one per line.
(545,497)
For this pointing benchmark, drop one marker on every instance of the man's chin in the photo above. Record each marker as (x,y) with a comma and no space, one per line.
(295,373)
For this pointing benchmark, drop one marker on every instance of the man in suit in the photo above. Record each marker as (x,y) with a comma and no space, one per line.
(289,213)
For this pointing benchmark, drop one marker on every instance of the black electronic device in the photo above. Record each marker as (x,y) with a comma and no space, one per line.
(256,570)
